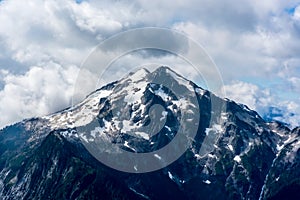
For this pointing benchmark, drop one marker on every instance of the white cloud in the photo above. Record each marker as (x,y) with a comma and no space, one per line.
(94,20)
(62,31)
(42,45)
(257,41)
(259,53)
(262,100)
(36,93)
(249,94)
(266,55)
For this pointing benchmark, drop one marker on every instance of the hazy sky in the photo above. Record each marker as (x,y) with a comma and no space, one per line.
(255,45)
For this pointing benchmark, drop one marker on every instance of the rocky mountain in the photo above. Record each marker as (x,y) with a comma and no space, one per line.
(223,151)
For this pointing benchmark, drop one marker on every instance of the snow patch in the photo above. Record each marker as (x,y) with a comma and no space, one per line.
(230,147)
(169,129)
(79,115)
(157,156)
(138,193)
(160,92)
(212,156)
(139,75)
(171,176)
(216,128)
(200,91)
(128,126)
(134,92)
(237,159)
(224,116)
(164,115)
(129,147)
(143,135)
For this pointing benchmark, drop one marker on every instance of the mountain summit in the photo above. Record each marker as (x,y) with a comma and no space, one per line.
(191,143)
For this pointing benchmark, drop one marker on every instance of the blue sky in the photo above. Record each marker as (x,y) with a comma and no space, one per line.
(255,45)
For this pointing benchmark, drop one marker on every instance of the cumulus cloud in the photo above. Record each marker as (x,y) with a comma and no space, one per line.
(42,45)
(259,53)
(63,31)
(249,94)
(94,20)
(295,83)
(269,105)
(37,92)
(255,42)
(263,60)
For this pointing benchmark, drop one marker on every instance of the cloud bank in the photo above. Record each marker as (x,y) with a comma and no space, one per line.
(255,45)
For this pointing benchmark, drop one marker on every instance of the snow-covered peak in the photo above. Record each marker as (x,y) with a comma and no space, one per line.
(166,70)
(231,146)
(126,94)
(138,75)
